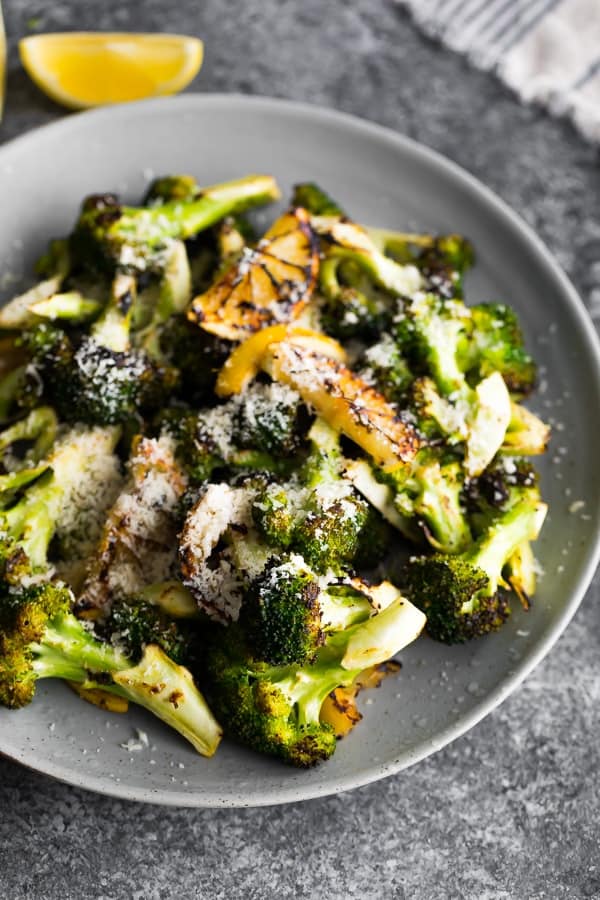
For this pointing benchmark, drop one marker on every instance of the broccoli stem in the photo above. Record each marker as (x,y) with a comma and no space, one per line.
(39,426)
(182,219)
(70,651)
(346,654)
(112,329)
(167,690)
(71,306)
(520,523)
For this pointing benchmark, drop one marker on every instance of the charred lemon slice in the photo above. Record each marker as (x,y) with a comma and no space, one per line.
(244,363)
(270,284)
(345,401)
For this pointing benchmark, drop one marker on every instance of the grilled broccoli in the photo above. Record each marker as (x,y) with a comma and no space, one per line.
(443,259)
(315,200)
(460,594)
(496,345)
(432,497)
(289,611)
(319,515)
(109,235)
(135,622)
(41,638)
(384,366)
(87,382)
(276,709)
(168,188)
(353,306)
(434,334)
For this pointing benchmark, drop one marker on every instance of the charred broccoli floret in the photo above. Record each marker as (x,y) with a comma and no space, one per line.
(460,594)
(276,709)
(110,235)
(432,496)
(497,346)
(41,638)
(315,200)
(434,334)
(196,354)
(442,259)
(319,515)
(386,368)
(269,418)
(134,623)
(87,382)
(290,611)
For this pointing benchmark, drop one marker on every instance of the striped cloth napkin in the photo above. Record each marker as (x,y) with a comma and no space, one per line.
(546,50)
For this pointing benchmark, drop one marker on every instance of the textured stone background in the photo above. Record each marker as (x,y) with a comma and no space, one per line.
(512,809)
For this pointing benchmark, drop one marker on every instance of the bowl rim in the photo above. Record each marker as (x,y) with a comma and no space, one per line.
(193,103)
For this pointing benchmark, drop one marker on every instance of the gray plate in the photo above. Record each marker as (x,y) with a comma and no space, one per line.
(382,179)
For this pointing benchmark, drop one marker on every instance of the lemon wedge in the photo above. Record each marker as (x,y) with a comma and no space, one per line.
(83,69)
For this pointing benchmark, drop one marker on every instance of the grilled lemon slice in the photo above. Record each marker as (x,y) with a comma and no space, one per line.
(345,401)
(244,363)
(270,284)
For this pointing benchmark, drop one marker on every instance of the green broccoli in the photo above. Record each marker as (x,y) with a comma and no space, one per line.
(197,355)
(443,259)
(319,515)
(310,196)
(353,306)
(109,235)
(289,611)
(87,382)
(135,622)
(432,497)
(434,334)
(41,638)
(496,345)
(276,709)
(460,593)
(384,366)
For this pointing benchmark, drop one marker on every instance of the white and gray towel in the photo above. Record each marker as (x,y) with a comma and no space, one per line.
(546,50)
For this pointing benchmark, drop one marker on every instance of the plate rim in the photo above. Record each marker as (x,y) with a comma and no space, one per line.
(192,102)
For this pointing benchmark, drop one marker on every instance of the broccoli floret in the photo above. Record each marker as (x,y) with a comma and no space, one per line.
(32,515)
(276,709)
(274,516)
(109,235)
(315,200)
(198,356)
(269,417)
(194,447)
(135,622)
(497,346)
(319,515)
(335,534)
(435,336)
(432,495)
(344,240)
(353,306)
(460,594)
(443,259)
(41,638)
(87,382)
(386,368)
(290,611)
(171,187)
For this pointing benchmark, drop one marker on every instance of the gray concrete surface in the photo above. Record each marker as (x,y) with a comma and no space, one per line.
(512,809)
